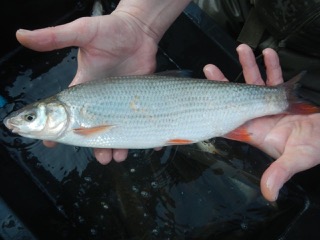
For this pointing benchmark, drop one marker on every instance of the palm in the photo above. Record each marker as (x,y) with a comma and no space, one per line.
(286,134)
(292,140)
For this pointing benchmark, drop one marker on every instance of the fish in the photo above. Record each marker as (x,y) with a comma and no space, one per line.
(149,111)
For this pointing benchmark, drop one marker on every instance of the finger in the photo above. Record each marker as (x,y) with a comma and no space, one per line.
(282,170)
(120,155)
(273,68)
(212,72)
(71,34)
(249,65)
(49,144)
(272,181)
(103,155)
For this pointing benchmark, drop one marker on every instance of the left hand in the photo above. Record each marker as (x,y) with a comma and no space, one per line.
(293,140)
(109,45)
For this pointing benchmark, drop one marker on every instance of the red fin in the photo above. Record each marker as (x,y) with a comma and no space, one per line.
(93,130)
(179,141)
(302,108)
(296,104)
(240,134)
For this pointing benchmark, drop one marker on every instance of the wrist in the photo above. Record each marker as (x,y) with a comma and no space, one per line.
(153,17)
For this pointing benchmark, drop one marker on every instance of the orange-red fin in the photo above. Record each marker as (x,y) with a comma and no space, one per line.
(179,141)
(302,108)
(239,134)
(92,130)
(296,104)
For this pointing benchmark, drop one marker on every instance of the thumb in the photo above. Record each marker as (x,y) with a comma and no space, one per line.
(280,171)
(273,179)
(51,38)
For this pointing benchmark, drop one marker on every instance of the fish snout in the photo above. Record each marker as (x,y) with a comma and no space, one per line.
(10,125)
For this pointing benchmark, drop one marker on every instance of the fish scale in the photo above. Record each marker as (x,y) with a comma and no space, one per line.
(148,111)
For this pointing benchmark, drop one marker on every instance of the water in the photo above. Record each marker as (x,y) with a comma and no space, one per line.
(205,192)
(176,193)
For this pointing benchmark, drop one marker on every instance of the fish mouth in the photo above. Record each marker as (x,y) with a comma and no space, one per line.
(10,125)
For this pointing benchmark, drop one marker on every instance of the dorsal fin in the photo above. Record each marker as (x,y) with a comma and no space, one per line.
(175,73)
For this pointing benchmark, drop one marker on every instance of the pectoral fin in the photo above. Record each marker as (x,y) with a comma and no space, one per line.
(86,131)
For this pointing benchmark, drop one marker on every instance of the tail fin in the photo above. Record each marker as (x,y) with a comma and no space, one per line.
(296,104)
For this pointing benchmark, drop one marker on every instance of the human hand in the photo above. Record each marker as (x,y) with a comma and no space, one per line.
(110,45)
(293,140)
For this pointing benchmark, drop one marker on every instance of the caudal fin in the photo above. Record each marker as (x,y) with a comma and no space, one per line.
(302,108)
(296,104)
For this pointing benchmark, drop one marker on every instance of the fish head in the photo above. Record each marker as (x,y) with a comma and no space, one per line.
(40,120)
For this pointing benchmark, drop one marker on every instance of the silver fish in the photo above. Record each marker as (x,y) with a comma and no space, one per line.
(147,111)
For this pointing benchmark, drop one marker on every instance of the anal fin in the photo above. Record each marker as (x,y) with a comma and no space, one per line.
(179,141)
(239,134)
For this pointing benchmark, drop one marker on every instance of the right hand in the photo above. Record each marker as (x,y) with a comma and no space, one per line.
(292,139)
(111,45)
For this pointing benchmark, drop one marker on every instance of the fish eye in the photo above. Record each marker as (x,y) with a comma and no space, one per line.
(30,117)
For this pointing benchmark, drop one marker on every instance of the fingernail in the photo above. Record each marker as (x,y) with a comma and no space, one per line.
(273,187)
(23,31)
(207,69)
(241,47)
(264,51)
(211,69)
